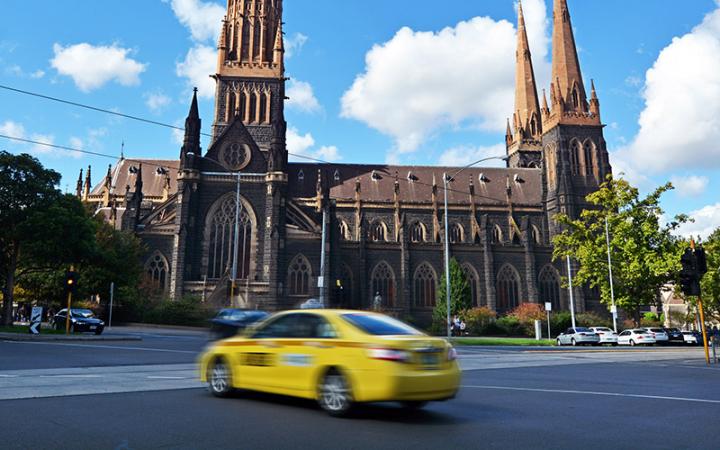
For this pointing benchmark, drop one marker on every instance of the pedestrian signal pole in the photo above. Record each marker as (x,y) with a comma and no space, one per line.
(70,283)
(694,266)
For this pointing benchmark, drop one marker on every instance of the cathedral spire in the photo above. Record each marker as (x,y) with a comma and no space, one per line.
(87,187)
(565,64)
(191,141)
(527,107)
(78,188)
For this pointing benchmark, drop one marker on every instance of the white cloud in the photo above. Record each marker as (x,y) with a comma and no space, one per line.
(690,186)
(76,142)
(707,220)
(464,155)
(37,74)
(199,63)
(43,139)
(680,125)
(302,97)
(294,44)
(157,101)
(419,83)
(91,67)
(12,129)
(203,19)
(300,145)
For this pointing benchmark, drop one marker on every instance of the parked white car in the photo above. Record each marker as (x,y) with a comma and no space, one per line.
(607,335)
(578,336)
(637,336)
(661,337)
(692,337)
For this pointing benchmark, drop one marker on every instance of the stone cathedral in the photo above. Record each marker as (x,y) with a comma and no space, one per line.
(383,223)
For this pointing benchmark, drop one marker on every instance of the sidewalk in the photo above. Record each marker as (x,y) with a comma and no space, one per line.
(146,328)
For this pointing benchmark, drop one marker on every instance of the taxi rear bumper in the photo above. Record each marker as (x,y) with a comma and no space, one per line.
(405,384)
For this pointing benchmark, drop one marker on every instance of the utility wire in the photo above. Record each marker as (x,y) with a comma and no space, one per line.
(153,122)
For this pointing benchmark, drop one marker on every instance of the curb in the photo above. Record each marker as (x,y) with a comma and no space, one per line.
(17,337)
(160,327)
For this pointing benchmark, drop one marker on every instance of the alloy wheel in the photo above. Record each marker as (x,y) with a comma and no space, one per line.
(334,394)
(219,382)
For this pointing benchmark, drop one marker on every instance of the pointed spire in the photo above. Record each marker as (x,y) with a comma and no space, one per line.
(108,177)
(122,150)
(191,141)
(88,184)
(508,132)
(279,47)
(565,63)
(545,109)
(527,108)
(222,45)
(594,102)
(138,180)
(78,188)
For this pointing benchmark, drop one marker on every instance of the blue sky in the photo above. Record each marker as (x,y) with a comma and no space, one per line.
(406,81)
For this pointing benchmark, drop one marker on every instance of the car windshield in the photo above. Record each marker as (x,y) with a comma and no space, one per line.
(582,330)
(86,313)
(380,325)
(657,330)
(245,315)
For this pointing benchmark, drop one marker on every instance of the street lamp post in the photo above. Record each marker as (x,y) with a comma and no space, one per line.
(446,180)
(612,289)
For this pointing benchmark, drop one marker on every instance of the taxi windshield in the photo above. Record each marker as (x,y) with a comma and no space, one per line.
(380,325)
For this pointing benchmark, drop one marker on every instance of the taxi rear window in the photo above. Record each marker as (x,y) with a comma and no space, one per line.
(380,325)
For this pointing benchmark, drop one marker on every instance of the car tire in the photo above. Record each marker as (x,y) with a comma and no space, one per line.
(219,378)
(573,343)
(632,343)
(559,344)
(614,344)
(98,332)
(334,394)
(413,405)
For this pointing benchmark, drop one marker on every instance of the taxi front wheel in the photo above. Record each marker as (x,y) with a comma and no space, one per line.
(219,378)
(334,395)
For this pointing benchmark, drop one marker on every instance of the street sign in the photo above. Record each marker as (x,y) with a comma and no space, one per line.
(35,319)
(613,309)
(548,306)
(321,282)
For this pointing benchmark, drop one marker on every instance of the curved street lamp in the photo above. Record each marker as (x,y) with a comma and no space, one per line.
(446,180)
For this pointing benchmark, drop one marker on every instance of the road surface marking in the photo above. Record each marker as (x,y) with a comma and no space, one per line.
(8,376)
(608,394)
(70,376)
(167,378)
(108,346)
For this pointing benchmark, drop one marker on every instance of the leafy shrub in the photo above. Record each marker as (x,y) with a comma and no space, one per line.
(186,311)
(527,314)
(560,321)
(628,324)
(510,326)
(589,319)
(477,320)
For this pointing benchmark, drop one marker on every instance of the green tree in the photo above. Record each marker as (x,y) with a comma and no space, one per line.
(710,283)
(460,295)
(645,254)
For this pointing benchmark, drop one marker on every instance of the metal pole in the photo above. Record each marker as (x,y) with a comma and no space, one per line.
(447,256)
(612,288)
(323,291)
(235,244)
(703,330)
(572,300)
(112,292)
(69,304)
(548,319)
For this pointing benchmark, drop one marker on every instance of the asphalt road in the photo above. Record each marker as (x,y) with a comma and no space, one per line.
(511,398)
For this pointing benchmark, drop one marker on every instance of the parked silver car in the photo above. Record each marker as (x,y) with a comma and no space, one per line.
(637,336)
(661,337)
(607,335)
(578,336)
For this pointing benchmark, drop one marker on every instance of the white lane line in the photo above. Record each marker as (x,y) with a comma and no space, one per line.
(166,378)
(7,376)
(108,346)
(608,394)
(70,376)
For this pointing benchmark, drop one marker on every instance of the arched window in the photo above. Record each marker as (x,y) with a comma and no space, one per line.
(516,239)
(424,282)
(263,108)
(473,280)
(230,106)
(221,227)
(378,232)
(344,231)
(588,147)
(497,235)
(575,97)
(549,284)
(417,232)
(533,126)
(383,283)
(157,269)
(243,105)
(575,158)
(507,289)
(299,276)
(253,108)
(456,233)
(550,165)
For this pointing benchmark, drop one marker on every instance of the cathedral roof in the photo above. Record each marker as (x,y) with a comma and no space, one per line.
(155,172)
(377,183)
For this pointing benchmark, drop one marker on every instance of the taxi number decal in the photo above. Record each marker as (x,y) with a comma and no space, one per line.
(297,360)
(256,359)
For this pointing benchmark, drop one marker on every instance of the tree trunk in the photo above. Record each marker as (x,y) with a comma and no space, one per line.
(8,293)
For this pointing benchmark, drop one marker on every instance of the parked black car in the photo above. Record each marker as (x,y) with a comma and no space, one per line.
(229,322)
(675,336)
(81,320)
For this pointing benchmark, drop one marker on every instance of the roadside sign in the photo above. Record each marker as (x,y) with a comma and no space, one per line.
(321,282)
(613,309)
(548,306)
(35,319)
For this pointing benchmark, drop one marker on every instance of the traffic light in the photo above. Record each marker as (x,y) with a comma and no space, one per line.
(689,275)
(71,279)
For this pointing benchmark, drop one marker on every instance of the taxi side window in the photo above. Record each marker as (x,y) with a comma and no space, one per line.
(283,327)
(311,326)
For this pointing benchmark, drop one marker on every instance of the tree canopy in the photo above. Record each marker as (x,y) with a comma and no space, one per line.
(645,254)
(460,295)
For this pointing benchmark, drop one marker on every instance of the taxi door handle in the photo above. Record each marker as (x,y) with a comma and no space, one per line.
(270,345)
(318,345)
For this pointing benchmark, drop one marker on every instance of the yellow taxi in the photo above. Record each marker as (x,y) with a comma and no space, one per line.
(337,357)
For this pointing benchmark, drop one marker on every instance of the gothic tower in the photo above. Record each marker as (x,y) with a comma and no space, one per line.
(575,153)
(250,70)
(523,139)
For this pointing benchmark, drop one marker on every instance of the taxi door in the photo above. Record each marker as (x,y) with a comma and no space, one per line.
(259,359)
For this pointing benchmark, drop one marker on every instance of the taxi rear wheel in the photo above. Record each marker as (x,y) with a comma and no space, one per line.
(413,405)
(219,378)
(334,395)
